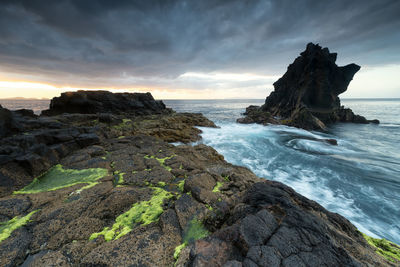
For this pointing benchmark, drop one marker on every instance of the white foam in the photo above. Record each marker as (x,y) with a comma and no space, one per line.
(319,147)
(285,154)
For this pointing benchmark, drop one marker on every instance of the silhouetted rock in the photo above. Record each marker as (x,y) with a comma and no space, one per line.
(306,96)
(25,113)
(8,124)
(89,102)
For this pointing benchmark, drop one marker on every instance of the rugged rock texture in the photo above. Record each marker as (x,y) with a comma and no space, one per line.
(306,96)
(155,203)
(30,145)
(43,142)
(89,102)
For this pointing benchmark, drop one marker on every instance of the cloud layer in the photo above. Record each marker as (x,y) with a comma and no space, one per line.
(154,43)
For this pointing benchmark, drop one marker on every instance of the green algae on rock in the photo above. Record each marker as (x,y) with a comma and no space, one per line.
(120,177)
(180,185)
(162,184)
(144,212)
(58,177)
(161,161)
(226,178)
(178,250)
(6,228)
(217,187)
(385,248)
(194,231)
(209,207)
(90,185)
(123,125)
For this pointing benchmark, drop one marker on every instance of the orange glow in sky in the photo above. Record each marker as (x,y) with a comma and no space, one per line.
(15,89)
(194,85)
(10,89)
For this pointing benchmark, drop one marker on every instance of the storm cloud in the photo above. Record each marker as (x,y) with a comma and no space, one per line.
(154,43)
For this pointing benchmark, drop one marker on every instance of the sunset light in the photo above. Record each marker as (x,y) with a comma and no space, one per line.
(200,133)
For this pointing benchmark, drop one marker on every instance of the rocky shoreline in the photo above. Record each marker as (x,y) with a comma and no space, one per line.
(106,187)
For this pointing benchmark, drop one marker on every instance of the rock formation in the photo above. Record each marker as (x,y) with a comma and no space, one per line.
(8,124)
(113,192)
(306,96)
(30,145)
(89,102)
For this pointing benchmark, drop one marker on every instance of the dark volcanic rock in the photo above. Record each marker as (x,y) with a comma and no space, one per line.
(89,102)
(155,199)
(8,124)
(13,251)
(279,227)
(306,96)
(30,145)
(26,155)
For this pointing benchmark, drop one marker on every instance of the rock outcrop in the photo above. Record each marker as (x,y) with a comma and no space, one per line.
(119,194)
(30,145)
(89,102)
(8,123)
(307,95)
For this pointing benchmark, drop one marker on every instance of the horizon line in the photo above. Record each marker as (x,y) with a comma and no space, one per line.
(237,98)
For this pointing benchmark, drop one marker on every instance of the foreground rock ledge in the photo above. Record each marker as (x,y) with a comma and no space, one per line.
(306,96)
(186,205)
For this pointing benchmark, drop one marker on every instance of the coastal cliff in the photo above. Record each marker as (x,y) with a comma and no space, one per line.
(105,188)
(307,95)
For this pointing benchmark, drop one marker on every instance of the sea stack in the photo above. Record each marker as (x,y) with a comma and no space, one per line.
(307,95)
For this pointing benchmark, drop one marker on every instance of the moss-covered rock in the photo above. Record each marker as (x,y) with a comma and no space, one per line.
(141,213)
(161,161)
(195,230)
(6,228)
(387,249)
(58,177)
(217,187)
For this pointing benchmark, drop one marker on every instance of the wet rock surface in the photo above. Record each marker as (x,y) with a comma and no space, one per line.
(307,95)
(158,203)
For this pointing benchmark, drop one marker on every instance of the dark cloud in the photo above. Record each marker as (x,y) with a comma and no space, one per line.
(92,41)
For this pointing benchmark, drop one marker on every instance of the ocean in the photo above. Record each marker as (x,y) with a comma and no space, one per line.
(359,178)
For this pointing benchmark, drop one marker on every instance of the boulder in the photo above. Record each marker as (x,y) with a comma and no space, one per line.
(307,95)
(90,102)
(8,124)
(25,113)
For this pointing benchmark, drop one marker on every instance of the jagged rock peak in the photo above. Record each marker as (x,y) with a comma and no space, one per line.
(306,96)
(313,80)
(312,49)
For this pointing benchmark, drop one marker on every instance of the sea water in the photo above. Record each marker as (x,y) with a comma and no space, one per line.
(359,178)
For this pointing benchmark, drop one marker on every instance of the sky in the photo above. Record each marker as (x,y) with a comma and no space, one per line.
(191,49)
